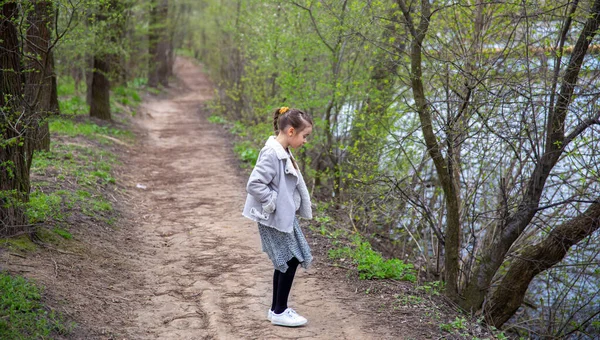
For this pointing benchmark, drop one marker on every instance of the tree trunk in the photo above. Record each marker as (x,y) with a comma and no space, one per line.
(497,244)
(15,146)
(105,62)
(504,301)
(89,77)
(100,90)
(158,44)
(39,76)
(444,168)
(54,107)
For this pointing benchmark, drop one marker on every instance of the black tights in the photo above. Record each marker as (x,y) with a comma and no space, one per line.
(282,283)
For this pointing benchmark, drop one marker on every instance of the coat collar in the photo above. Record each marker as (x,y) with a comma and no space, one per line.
(282,155)
(279,150)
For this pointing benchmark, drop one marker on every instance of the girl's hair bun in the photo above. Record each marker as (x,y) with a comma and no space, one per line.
(284,117)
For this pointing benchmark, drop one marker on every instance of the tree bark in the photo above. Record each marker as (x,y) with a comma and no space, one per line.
(54,106)
(158,44)
(105,61)
(15,146)
(504,301)
(496,244)
(444,168)
(100,90)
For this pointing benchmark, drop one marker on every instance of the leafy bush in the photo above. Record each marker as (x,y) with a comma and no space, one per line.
(371,265)
(246,152)
(239,129)
(22,316)
(215,119)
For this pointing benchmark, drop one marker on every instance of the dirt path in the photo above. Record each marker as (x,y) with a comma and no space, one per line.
(203,274)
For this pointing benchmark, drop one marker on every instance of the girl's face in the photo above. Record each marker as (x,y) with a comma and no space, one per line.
(297,138)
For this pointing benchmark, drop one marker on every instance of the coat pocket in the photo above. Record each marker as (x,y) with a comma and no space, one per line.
(259,214)
(270,206)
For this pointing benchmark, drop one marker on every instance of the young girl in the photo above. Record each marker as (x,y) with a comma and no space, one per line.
(276,193)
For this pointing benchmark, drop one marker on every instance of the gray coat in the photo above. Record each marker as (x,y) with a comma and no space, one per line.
(272,197)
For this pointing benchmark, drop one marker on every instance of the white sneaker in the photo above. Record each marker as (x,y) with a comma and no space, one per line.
(288,318)
(270,315)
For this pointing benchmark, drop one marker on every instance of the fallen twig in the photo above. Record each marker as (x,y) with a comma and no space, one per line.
(55,267)
(188,315)
(339,266)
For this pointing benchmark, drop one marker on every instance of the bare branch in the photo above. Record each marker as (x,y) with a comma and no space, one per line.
(312,18)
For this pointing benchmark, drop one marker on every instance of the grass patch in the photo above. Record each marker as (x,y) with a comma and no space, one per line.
(371,265)
(56,236)
(83,172)
(20,243)
(73,106)
(63,233)
(68,127)
(65,86)
(56,207)
(71,101)
(22,316)
(42,207)
(87,166)
(127,95)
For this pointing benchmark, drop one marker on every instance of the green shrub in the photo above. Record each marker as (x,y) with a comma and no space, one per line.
(22,316)
(432,288)
(371,265)
(458,324)
(239,129)
(246,152)
(214,119)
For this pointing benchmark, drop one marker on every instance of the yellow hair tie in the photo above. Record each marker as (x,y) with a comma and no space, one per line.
(283,110)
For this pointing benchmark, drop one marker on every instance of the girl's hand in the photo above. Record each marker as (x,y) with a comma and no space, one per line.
(270,207)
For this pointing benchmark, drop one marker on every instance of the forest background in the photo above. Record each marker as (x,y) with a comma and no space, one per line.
(459,136)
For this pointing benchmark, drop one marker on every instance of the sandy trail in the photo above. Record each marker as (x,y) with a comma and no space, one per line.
(204,274)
